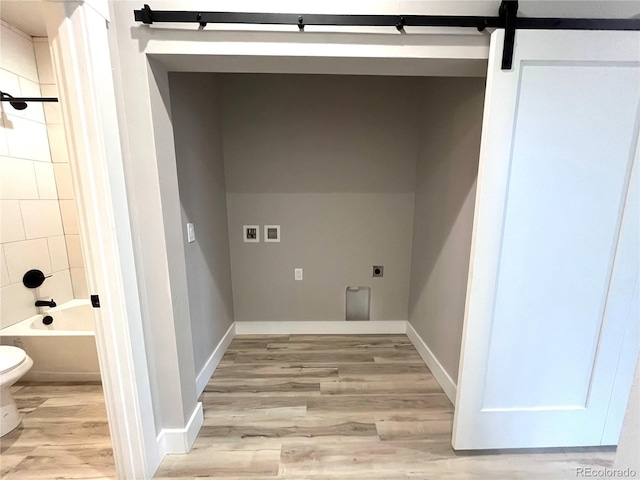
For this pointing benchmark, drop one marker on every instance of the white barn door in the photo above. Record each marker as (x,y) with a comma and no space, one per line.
(551,324)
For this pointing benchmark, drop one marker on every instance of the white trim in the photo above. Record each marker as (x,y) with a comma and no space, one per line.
(212,363)
(79,46)
(180,440)
(321,327)
(439,373)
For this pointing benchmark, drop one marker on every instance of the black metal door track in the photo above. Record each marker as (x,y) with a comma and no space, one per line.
(507,18)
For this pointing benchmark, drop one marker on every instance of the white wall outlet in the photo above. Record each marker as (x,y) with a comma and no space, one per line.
(272,233)
(297,273)
(191,233)
(251,233)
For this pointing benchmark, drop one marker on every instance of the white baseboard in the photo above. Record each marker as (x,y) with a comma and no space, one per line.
(210,366)
(439,373)
(180,440)
(321,327)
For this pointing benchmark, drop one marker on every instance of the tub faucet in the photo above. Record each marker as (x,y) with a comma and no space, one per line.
(45,303)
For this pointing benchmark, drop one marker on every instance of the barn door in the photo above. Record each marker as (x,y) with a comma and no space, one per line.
(552,303)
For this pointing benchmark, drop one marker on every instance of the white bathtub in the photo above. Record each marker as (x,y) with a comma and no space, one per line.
(65,350)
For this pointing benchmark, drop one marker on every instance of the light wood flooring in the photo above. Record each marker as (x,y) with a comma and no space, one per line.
(294,407)
(64,434)
(343,407)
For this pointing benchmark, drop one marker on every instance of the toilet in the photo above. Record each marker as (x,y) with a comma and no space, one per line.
(14,363)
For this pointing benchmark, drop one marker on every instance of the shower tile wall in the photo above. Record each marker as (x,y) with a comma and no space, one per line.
(38,222)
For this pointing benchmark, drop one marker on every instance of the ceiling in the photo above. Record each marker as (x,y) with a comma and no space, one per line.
(27,15)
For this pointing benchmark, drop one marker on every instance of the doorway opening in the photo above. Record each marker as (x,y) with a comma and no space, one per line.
(357,172)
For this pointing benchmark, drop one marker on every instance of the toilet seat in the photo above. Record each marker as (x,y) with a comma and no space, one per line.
(10,358)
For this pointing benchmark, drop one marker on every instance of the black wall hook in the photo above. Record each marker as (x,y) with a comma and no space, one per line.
(300,23)
(400,25)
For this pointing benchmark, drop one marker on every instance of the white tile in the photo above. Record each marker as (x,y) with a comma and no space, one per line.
(46,180)
(17,179)
(27,139)
(17,54)
(4,146)
(58,253)
(10,82)
(74,251)
(41,218)
(11,227)
(52,110)
(63,181)
(79,282)
(69,217)
(43,62)
(18,303)
(34,110)
(4,274)
(58,144)
(26,255)
(58,287)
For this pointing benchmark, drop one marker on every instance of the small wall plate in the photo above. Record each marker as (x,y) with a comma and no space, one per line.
(272,233)
(377,271)
(251,233)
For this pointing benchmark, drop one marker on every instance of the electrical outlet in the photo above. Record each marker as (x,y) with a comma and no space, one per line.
(191,233)
(297,273)
(377,271)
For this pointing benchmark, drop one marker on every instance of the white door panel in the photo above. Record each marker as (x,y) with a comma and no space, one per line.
(554,255)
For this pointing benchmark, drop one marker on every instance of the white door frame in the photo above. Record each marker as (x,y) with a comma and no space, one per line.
(80,53)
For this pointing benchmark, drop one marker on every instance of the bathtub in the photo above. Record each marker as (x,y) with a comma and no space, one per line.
(65,350)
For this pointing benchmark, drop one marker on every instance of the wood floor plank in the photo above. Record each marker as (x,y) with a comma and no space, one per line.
(344,355)
(258,381)
(289,371)
(239,403)
(385,369)
(219,463)
(395,388)
(256,413)
(311,346)
(258,387)
(346,429)
(416,430)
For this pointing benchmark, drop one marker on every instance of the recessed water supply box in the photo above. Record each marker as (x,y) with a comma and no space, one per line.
(358,300)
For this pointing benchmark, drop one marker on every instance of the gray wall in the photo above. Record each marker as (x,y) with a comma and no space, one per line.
(198,143)
(332,160)
(443,221)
